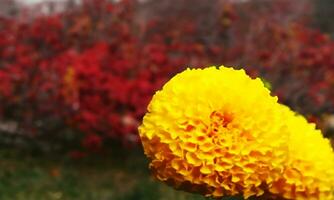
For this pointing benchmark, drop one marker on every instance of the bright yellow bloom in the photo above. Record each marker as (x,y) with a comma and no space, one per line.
(218,132)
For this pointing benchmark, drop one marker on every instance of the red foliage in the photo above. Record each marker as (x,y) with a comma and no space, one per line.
(95,68)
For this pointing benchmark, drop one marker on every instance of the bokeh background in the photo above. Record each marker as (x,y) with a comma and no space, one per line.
(76,77)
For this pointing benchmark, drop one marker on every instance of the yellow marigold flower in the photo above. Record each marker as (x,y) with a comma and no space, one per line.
(218,132)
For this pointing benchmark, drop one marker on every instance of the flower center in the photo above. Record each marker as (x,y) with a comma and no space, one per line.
(219,119)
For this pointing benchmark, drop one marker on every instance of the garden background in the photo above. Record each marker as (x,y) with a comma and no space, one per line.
(76,77)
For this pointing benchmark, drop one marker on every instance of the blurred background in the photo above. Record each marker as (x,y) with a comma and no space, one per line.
(76,77)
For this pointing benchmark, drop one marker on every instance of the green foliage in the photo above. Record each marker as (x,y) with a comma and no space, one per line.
(324,13)
(122,176)
(266,83)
